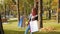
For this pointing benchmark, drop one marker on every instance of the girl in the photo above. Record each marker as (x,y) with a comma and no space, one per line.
(33,16)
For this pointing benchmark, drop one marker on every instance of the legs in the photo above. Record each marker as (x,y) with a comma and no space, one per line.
(31,33)
(28,28)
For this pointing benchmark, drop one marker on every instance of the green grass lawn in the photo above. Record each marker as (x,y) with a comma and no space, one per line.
(11,28)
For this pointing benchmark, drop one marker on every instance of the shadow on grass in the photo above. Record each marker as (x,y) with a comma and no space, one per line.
(22,32)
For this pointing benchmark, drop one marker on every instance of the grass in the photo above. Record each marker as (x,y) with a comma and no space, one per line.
(22,32)
(12,27)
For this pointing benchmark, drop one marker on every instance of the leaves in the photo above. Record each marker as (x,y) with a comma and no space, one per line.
(28,3)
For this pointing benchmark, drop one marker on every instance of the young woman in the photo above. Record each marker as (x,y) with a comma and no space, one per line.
(33,16)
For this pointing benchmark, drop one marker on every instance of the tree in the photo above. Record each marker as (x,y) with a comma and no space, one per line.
(59,12)
(49,9)
(1,26)
(40,11)
(18,10)
(5,11)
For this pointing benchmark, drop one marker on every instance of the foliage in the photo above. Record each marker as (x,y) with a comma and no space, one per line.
(26,5)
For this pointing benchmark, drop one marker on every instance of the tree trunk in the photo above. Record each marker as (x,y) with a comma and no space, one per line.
(24,15)
(18,10)
(1,26)
(50,10)
(34,3)
(49,14)
(59,12)
(40,11)
(5,11)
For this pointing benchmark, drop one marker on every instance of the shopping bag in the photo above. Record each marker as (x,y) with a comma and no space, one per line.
(34,26)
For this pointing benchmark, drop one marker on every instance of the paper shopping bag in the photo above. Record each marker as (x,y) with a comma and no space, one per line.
(34,26)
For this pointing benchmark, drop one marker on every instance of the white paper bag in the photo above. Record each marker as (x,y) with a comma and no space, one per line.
(33,26)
